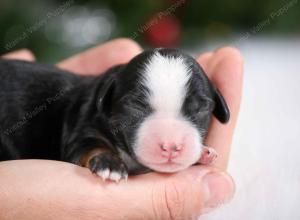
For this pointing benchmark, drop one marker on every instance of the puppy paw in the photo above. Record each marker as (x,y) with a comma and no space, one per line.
(208,156)
(108,167)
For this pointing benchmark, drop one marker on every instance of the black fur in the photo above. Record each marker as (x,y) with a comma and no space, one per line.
(48,113)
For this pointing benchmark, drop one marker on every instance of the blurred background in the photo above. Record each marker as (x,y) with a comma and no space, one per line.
(265,153)
(55,29)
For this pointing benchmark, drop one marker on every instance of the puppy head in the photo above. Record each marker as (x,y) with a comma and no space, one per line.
(159,106)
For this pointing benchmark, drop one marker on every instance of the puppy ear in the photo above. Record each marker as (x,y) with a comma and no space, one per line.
(221,110)
(105,92)
(106,89)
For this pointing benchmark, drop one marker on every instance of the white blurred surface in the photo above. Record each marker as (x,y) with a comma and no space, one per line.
(265,159)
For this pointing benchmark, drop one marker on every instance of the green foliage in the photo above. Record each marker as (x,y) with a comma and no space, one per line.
(199,20)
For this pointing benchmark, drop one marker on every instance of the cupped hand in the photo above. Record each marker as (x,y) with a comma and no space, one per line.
(40,189)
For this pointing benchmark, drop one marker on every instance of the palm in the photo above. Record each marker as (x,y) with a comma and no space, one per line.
(150,196)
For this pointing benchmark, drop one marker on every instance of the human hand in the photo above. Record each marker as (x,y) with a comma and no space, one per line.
(36,189)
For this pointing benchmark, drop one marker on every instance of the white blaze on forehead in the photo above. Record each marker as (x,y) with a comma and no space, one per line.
(166,79)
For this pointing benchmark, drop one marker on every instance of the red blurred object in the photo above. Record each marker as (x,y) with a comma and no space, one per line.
(162,31)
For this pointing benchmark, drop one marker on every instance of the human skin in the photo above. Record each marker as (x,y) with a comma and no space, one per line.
(43,189)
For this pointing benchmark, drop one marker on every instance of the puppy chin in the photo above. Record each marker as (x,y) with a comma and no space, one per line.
(167,167)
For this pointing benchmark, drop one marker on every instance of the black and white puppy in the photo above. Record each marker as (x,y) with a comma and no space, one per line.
(150,114)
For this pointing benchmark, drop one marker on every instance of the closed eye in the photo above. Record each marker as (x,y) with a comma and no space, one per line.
(207,104)
(130,115)
(204,110)
(200,105)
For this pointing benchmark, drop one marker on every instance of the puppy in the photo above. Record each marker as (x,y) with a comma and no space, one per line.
(150,114)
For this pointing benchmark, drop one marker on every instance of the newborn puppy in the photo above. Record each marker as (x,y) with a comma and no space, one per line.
(150,114)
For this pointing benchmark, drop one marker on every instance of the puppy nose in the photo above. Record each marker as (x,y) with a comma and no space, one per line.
(170,150)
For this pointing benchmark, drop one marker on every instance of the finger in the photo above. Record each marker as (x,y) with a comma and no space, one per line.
(100,58)
(184,195)
(225,69)
(204,60)
(23,54)
(151,196)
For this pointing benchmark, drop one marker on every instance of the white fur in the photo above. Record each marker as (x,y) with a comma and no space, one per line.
(162,128)
(166,79)
(104,174)
(107,174)
(115,176)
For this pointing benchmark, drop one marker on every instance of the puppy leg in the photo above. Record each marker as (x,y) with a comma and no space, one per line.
(105,164)
(208,156)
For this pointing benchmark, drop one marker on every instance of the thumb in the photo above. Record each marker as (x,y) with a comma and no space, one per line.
(184,195)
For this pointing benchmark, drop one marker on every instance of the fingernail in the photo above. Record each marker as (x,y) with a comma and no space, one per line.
(220,188)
